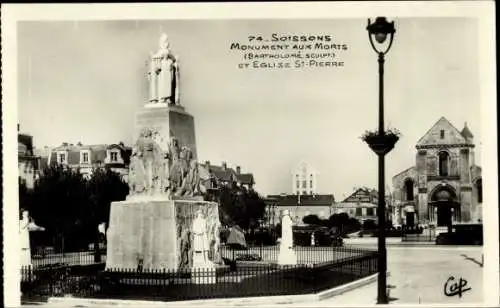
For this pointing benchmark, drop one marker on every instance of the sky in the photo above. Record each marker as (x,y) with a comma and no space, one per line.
(84,81)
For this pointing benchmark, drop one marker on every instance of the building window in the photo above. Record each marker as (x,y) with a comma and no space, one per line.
(369,212)
(442,134)
(85,158)
(62,158)
(479,187)
(311,183)
(409,189)
(304,192)
(114,156)
(359,211)
(443,163)
(304,184)
(298,184)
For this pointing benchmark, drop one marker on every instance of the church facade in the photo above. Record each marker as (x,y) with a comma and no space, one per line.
(445,185)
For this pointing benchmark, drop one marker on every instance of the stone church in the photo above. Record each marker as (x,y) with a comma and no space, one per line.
(445,185)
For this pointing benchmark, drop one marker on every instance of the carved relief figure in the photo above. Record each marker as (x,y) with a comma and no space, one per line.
(163,163)
(137,173)
(147,158)
(200,240)
(176,167)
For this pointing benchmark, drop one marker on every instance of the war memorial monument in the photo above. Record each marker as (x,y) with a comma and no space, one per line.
(164,224)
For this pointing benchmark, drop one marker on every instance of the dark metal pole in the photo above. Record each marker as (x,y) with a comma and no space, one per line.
(382,253)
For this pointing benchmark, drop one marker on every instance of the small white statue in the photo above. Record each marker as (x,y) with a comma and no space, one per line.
(163,75)
(201,245)
(287,254)
(25,226)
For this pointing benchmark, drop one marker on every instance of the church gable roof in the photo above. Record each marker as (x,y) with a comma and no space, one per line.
(433,136)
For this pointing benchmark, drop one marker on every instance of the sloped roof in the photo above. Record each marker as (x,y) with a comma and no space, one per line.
(406,170)
(362,195)
(245,178)
(466,132)
(432,136)
(97,152)
(227,174)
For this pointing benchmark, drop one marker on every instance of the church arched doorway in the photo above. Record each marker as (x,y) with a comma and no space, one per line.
(444,207)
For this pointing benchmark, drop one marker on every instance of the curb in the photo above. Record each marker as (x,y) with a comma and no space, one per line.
(347,287)
(241,301)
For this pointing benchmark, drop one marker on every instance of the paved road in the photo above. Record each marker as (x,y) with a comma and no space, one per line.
(419,274)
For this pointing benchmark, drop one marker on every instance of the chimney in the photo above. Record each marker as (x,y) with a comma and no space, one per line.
(65,144)
(224,165)
(238,169)
(79,143)
(207,163)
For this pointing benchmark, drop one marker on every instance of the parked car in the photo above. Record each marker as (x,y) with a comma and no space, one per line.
(463,234)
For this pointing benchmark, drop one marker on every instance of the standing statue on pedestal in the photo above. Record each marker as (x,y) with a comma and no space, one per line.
(287,254)
(163,75)
(25,226)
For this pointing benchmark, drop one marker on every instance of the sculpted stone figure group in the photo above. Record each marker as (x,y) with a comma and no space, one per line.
(158,167)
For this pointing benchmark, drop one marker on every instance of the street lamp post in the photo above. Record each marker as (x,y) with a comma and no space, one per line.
(381,143)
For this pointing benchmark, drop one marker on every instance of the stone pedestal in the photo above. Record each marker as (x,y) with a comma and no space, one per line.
(169,121)
(287,256)
(153,233)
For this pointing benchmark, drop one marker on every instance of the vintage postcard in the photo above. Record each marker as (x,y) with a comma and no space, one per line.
(251,154)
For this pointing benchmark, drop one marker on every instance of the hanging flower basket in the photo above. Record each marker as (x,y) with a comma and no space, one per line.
(383,143)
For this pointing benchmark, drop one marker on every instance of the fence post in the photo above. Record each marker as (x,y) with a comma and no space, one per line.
(261,247)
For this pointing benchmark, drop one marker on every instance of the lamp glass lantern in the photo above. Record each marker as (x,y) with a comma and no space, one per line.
(380,30)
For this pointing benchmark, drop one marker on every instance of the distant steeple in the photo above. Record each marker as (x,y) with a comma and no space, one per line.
(467,133)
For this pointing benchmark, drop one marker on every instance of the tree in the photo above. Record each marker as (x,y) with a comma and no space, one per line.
(344,223)
(25,196)
(240,206)
(71,207)
(57,201)
(103,188)
(311,220)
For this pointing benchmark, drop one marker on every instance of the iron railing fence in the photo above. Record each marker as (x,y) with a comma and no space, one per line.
(239,278)
(68,258)
(427,235)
